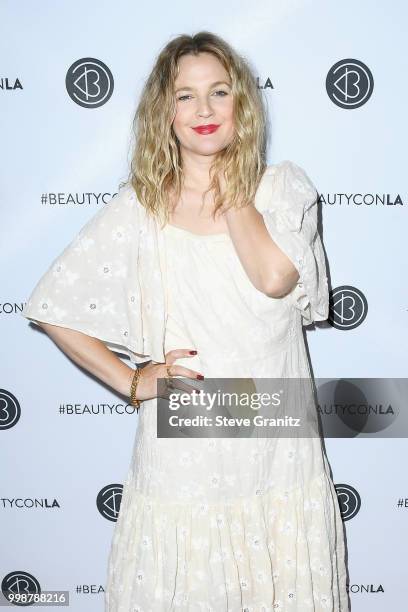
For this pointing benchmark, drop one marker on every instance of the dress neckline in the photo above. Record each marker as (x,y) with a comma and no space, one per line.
(181,231)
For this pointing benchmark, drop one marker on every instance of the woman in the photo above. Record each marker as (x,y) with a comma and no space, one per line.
(220,289)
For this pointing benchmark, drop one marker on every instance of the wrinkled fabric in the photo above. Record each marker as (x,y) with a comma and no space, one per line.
(290,215)
(107,282)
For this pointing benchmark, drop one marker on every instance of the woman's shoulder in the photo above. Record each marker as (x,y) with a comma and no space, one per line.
(288,170)
(118,217)
(126,195)
(124,204)
(285,180)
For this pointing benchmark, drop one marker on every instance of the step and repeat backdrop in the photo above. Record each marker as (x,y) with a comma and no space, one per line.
(333,79)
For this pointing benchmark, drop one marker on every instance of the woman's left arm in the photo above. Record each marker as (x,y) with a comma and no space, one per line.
(266,265)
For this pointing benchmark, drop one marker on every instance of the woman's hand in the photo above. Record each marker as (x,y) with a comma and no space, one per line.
(147,386)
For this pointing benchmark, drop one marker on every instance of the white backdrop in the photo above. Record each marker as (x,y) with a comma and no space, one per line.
(56,461)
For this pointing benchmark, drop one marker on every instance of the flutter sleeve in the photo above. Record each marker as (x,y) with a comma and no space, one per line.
(290,215)
(93,285)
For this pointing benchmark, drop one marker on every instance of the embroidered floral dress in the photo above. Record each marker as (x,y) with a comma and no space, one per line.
(222,524)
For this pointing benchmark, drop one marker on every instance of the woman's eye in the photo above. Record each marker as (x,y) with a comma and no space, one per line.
(219,91)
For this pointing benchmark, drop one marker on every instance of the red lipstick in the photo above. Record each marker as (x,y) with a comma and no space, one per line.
(206,129)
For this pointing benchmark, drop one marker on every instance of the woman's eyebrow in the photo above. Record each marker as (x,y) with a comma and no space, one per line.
(212,85)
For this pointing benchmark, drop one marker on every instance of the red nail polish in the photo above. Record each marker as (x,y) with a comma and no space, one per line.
(200,376)
(193,352)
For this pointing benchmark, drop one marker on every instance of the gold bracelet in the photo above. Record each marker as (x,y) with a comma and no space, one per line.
(135,380)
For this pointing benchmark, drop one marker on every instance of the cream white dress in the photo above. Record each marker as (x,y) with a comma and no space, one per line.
(220,524)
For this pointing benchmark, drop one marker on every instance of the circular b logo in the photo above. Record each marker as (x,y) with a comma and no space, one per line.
(349,501)
(89,82)
(10,410)
(109,500)
(349,83)
(348,307)
(19,583)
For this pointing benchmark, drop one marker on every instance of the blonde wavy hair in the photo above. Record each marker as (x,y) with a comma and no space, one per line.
(155,168)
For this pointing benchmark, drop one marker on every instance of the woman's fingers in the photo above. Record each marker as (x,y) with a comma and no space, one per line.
(174,354)
(179,370)
(147,387)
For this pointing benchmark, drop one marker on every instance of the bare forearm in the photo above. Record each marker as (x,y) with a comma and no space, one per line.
(267,267)
(92,355)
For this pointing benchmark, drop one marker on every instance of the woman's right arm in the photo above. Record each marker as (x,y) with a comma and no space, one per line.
(92,355)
